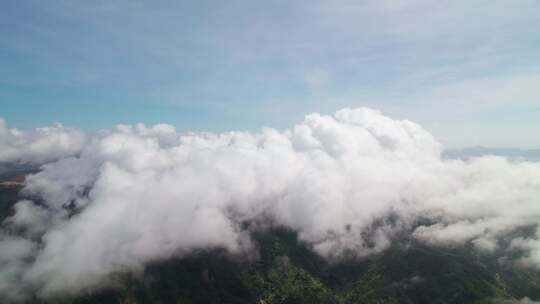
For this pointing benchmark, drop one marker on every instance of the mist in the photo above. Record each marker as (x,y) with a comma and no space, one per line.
(114,200)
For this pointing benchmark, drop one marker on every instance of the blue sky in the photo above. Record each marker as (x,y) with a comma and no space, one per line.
(468,71)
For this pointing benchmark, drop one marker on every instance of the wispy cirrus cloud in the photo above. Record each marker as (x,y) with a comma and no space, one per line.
(198,60)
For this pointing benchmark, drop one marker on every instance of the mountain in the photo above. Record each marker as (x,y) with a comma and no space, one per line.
(529,154)
(287,271)
(283,269)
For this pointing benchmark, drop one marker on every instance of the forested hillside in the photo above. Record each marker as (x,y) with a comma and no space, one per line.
(282,269)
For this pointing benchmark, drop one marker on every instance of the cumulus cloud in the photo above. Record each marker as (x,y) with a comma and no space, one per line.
(14,253)
(515,301)
(346,183)
(39,145)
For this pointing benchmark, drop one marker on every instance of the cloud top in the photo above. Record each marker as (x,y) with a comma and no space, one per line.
(39,145)
(349,182)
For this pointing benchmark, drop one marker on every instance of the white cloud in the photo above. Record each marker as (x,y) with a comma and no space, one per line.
(39,145)
(146,193)
(14,253)
(515,301)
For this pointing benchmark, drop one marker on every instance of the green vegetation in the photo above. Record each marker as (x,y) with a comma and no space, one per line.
(286,270)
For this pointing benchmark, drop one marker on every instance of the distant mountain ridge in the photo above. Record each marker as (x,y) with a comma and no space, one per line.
(477,151)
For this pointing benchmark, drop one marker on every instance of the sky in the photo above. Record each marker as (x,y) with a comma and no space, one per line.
(467,71)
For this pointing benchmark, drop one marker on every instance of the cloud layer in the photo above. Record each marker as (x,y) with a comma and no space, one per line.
(348,183)
(39,145)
